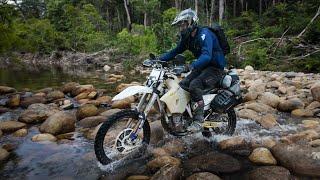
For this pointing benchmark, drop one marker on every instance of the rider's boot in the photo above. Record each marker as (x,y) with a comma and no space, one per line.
(198,116)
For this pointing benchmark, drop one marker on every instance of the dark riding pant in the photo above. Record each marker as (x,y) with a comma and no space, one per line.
(198,80)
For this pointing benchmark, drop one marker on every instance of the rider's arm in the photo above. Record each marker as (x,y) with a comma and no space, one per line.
(210,51)
(171,54)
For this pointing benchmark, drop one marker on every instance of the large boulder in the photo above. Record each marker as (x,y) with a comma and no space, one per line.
(203,176)
(27,101)
(262,156)
(87,110)
(291,104)
(268,121)
(4,154)
(168,172)
(124,103)
(303,136)
(269,172)
(10,126)
(212,162)
(93,121)
(315,91)
(104,99)
(36,113)
(69,87)
(109,112)
(302,113)
(20,133)
(82,88)
(6,90)
(14,101)
(250,96)
(248,114)
(270,99)
(59,123)
(232,143)
(43,137)
(53,95)
(162,161)
(298,159)
(260,107)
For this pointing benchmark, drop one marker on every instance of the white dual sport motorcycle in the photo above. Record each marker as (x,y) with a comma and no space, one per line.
(127,133)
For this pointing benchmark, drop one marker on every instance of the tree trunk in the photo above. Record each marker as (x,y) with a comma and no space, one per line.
(221,10)
(177,4)
(234,8)
(241,5)
(145,20)
(213,3)
(274,2)
(128,15)
(207,13)
(260,7)
(196,6)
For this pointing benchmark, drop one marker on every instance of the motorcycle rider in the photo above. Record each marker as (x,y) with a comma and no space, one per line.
(206,70)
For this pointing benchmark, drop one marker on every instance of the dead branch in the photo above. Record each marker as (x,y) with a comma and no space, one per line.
(279,42)
(245,42)
(302,57)
(314,17)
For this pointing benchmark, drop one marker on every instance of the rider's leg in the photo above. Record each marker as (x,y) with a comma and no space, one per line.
(185,83)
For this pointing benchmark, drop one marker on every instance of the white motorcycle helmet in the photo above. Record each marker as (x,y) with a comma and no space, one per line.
(189,16)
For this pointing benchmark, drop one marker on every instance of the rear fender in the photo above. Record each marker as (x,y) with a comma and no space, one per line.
(132,90)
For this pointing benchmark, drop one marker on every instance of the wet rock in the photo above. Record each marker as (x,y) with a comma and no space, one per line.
(69,87)
(262,156)
(298,159)
(269,172)
(303,136)
(123,104)
(109,112)
(315,91)
(282,89)
(82,88)
(93,121)
(268,121)
(123,86)
(313,105)
(158,152)
(6,90)
(104,99)
(232,143)
(212,162)
(59,123)
(249,68)
(138,177)
(83,95)
(291,104)
(43,137)
(267,142)
(302,113)
(174,147)
(162,161)
(51,96)
(315,143)
(168,172)
(250,96)
(4,154)
(157,132)
(14,101)
(248,114)
(66,136)
(83,101)
(92,94)
(27,101)
(87,110)
(10,147)
(203,176)
(10,126)
(20,133)
(260,107)
(1,133)
(4,110)
(270,99)
(310,123)
(36,113)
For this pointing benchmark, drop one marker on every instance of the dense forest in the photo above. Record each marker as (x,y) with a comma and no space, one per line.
(267,34)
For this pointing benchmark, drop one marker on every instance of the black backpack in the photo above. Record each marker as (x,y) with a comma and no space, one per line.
(223,41)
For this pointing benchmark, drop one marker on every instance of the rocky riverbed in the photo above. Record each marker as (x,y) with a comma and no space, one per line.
(49,133)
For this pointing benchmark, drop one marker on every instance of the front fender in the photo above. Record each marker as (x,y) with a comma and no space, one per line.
(130,91)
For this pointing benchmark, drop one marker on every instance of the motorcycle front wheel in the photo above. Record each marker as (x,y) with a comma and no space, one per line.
(115,139)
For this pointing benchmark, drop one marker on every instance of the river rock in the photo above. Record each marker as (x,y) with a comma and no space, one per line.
(6,90)
(104,99)
(250,96)
(36,113)
(109,112)
(87,110)
(4,154)
(258,87)
(124,103)
(138,177)
(203,176)
(291,104)
(232,143)
(282,89)
(315,143)
(45,90)
(298,159)
(214,162)
(249,68)
(158,152)
(268,121)
(53,95)
(262,156)
(269,172)
(303,136)
(302,113)
(92,94)
(21,132)
(93,121)
(27,101)
(82,88)
(310,123)
(173,147)
(106,68)
(157,132)
(59,123)
(69,87)
(14,101)
(270,99)
(260,107)
(4,110)
(162,161)
(123,86)
(313,105)
(83,95)
(168,172)
(267,142)
(274,84)
(248,114)
(9,126)
(1,133)
(43,137)
(315,91)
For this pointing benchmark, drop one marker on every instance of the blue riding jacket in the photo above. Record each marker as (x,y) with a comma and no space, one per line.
(204,46)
